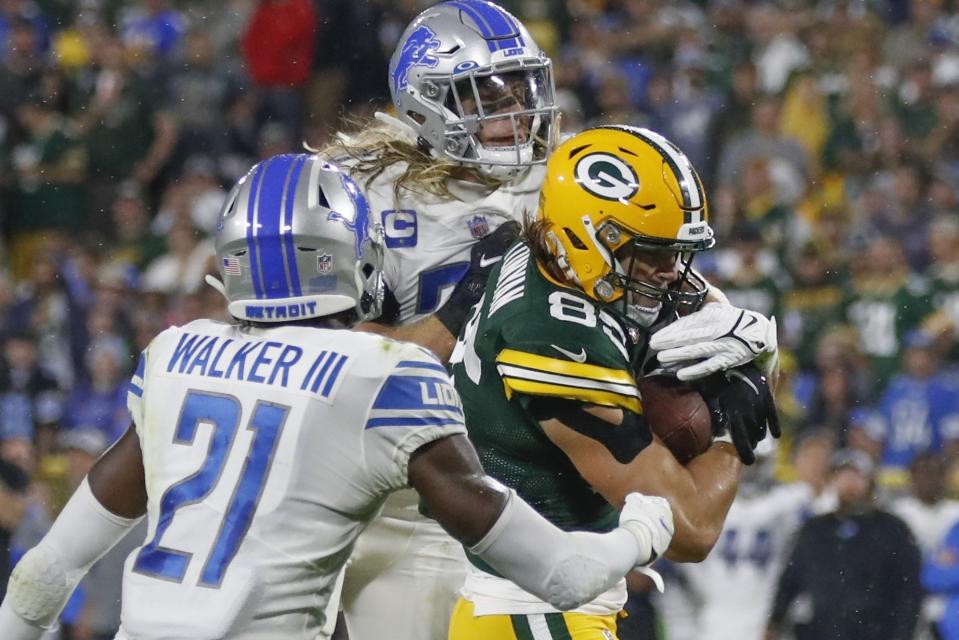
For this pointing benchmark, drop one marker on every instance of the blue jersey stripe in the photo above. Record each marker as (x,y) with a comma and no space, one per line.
(426,421)
(251,233)
(333,376)
(323,369)
(286,230)
(268,214)
(418,393)
(309,375)
(135,390)
(416,364)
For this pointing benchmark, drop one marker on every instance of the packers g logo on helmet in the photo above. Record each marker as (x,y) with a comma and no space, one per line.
(606,176)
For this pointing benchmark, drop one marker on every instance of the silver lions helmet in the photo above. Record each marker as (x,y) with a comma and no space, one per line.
(295,240)
(470,81)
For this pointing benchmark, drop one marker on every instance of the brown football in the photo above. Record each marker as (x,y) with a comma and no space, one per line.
(677,413)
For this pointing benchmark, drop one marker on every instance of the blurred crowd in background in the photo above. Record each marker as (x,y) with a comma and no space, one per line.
(827,135)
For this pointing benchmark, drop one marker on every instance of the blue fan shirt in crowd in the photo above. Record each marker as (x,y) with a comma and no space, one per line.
(102,410)
(917,415)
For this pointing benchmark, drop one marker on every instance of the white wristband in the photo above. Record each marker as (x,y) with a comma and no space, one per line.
(726,437)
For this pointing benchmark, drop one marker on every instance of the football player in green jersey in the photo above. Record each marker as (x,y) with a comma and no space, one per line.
(601,290)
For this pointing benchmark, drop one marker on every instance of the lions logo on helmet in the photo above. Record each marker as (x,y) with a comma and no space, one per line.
(612,187)
(415,50)
(295,241)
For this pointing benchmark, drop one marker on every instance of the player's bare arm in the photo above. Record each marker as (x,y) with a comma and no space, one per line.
(450,479)
(429,333)
(700,493)
(116,479)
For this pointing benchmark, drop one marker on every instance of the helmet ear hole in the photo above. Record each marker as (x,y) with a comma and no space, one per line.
(324,202)
(574,239)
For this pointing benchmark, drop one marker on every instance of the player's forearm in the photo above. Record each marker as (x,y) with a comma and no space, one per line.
(565,569)
(428,332)
(699,513)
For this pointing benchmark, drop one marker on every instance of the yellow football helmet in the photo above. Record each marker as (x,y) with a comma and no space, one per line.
(614,186)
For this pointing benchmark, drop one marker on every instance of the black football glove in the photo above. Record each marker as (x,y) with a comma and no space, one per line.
(742,405)
(485,255)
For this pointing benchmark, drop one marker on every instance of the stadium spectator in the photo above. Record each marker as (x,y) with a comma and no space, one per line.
(278,47)
(13,485)
(31,400)
(197,93)
(748,272)
(763,145)
(100,404)
(182,269)
(734,587)
(930,516)
(152,27)
(810,303)
(128,135)
(853,573)
(940,576)
(50,166)
(134,243)
(919,410)
(885,300)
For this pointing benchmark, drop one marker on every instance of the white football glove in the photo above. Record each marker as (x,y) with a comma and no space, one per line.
(717,337)
(650,520)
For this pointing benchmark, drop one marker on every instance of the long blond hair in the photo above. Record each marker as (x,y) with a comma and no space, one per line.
(376,146)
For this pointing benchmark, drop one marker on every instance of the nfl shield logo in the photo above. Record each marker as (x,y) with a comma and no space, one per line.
(324,263)
(478,226)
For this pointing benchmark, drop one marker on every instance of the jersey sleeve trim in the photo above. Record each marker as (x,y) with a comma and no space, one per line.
(416,394)
(540,375)
(136,381)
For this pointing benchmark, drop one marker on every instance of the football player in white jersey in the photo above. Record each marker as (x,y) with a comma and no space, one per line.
(451,178)
(930,515)
(261,449)
(735,585)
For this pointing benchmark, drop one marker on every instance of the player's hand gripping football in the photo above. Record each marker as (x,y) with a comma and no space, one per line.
(742,407)
(650,520)
(484,255)
(717,337)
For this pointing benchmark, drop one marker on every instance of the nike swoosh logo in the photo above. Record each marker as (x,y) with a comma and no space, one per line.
(752,321)
(577,357)
(485,262)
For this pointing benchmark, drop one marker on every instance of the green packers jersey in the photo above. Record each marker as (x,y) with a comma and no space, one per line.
(530,339)
(808,311)
(882,314)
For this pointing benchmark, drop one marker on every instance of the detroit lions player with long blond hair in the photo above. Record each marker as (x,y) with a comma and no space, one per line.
(450,178)
(260,449)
